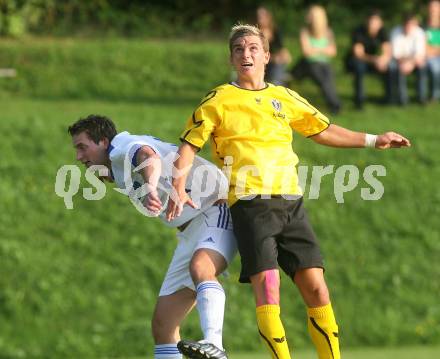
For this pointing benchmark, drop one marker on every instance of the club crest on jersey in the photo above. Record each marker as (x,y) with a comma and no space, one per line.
(276,105)
(258,100)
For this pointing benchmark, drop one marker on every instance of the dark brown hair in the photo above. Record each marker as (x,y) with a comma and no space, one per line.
(96,126)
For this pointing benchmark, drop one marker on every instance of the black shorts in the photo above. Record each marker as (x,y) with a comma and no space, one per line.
(272,232)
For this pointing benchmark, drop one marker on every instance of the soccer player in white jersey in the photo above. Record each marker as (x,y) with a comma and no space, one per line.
(141,167)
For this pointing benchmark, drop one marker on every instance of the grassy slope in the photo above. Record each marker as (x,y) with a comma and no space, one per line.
(367,353)
(84,281)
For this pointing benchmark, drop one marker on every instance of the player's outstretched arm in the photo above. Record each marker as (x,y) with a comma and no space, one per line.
(182,165)
(337,136)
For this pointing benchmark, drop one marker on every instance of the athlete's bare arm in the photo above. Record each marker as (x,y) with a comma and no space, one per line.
(337,136)
(182,165)
(150,161)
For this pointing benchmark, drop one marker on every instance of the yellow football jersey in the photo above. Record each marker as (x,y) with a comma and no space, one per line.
(251,133)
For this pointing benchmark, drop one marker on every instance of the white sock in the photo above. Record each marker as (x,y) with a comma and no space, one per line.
(211,307)
(166,351)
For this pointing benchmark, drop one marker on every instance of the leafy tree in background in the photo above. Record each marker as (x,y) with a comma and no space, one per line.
(175,17)
(10,20)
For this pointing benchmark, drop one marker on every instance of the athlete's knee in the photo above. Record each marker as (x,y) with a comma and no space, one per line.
(312,286)
(316,294)
(206,265)
(320,293)
(201,270)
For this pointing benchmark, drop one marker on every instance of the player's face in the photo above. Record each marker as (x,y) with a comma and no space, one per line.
(249,58)
(88,152)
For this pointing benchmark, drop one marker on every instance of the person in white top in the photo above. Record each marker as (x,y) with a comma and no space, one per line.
(433,47)
(408,45)
(141,167)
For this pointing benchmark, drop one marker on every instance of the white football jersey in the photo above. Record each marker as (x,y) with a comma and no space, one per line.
(205,183)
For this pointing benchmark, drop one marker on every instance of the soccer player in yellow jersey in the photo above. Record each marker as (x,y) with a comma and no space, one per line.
(250,124)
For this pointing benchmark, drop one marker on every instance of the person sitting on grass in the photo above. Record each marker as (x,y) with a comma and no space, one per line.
(318,47)
(370,52)
(433,47)
(408,44)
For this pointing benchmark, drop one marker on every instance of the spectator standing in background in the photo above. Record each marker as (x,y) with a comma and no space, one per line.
(279,56)
(318,48)
(433,47)
(370,52)
(408,43)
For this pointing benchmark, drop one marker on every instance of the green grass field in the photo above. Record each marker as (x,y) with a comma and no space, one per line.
(359,353)
(82,282)
(367,353)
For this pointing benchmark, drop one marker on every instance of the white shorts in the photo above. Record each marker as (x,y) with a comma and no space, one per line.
(211,229)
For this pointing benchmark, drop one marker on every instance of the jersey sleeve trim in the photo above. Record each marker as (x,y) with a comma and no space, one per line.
(136,146)
(197,123)
(189,142)
(208,96)
(134,158)
(315,111)
(317,133)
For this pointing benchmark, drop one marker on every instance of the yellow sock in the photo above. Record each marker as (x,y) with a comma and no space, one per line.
(272,331)
(324,331)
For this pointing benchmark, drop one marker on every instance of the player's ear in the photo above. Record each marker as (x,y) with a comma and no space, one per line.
(266,57)
(105,142)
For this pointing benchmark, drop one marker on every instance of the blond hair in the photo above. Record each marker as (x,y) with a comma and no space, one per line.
(241,30)
(317,21)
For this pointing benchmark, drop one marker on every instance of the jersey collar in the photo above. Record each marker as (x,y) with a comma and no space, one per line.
(233,83)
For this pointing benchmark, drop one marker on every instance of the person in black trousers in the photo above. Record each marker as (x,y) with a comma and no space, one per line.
(370,53)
